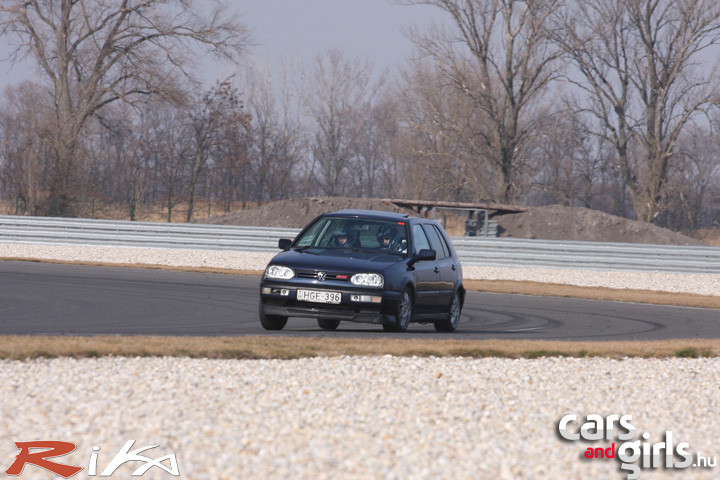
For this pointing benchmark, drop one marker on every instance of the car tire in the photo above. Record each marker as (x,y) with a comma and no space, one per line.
(403,313)
(272,322)
(450,323)
(328,324)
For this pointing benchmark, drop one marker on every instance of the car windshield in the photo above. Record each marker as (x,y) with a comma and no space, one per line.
(343,233)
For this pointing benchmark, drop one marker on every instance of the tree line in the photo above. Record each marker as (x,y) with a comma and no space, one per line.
(607,104)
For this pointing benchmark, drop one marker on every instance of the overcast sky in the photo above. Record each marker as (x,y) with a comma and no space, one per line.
(366,28)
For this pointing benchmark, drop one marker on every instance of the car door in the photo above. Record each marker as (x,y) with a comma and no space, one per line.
(445,264)
(427,275)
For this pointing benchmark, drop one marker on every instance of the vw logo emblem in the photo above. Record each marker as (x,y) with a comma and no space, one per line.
(321,276)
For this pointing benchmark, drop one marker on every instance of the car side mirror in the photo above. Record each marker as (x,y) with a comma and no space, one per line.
(423,255)
(426,254)
(284,243)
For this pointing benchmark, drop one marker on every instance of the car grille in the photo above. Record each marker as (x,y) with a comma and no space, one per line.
(343,277)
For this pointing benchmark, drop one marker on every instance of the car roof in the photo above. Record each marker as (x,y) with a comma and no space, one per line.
(370,214)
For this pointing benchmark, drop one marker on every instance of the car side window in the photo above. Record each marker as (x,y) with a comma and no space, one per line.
(435,241)
(445,246)
(313,233)
(420,240)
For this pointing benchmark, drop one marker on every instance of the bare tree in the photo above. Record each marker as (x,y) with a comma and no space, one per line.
(374,176)
(229,122)
(500,56)
(638,63)
(166,146)
(339,94)
(24,129)
(96,52)
(274,102)
(124,174)
(569,164)
(136,179)
(232,163)
(217,124)
(439,137)
(693,179)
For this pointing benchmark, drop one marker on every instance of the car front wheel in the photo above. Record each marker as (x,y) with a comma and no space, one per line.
(326,324)
(272,322)
(450,323)
(403,313)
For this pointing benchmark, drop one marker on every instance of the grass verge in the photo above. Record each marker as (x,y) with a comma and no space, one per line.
(259,347)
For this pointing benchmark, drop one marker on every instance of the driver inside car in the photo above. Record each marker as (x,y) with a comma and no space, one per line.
(388,239)
(341,239)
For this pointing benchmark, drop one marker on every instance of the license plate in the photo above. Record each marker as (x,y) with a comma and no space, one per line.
(318,296)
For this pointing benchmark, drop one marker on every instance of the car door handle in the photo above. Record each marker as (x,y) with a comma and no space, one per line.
(453,267)
(436,270)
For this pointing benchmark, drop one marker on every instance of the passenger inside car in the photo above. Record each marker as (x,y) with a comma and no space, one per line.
(388,239)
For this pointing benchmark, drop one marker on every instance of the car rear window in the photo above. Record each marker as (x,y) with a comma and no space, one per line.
(420,240)
(444,240)
(438,245)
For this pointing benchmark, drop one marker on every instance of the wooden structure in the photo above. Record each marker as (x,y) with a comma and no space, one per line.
(478,222)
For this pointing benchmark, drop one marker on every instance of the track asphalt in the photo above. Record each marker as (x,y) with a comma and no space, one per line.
(53,299)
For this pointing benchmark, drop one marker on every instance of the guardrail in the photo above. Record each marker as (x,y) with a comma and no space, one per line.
(473,251)
(74,231)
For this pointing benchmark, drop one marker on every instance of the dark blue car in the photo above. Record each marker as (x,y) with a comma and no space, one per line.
(365,266)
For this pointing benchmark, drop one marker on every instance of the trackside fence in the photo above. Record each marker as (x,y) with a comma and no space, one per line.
(473,251)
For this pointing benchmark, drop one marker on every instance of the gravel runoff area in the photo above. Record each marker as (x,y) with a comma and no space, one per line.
(369,418)
(662,282)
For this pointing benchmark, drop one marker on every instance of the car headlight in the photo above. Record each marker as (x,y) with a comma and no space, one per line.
(368,280)
(279,272)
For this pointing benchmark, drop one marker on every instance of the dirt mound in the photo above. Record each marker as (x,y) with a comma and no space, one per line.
(556,222)
(550,223)
(298,212)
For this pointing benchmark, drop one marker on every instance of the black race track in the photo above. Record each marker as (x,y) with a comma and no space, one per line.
(41,298)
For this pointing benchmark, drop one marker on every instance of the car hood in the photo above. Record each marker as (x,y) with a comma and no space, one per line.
(336,260)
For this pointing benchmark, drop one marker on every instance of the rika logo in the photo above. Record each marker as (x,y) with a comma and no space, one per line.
(38,454)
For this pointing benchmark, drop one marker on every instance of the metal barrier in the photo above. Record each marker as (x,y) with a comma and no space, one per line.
(64,231)
(473,251)
(515,252)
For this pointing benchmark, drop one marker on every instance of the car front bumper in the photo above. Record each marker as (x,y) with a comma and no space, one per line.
(279,298)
